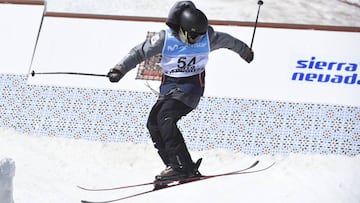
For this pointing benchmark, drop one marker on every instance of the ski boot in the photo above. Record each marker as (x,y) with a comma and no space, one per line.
(171,175)
(167,177)
(194,175)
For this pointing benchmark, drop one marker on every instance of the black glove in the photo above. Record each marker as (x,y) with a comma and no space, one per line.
(115,75)
(249,55)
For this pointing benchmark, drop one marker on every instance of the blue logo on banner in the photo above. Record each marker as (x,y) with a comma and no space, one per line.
(314,70)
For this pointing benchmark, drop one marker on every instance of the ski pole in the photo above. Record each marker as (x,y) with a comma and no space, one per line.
(68,73)
(257,16)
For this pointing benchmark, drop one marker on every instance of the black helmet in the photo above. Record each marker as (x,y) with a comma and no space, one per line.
(173,20)
(194,22)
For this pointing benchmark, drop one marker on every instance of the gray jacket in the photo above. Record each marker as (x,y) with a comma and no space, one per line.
(154,46)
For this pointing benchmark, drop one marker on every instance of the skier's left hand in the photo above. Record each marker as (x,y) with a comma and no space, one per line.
(249,55)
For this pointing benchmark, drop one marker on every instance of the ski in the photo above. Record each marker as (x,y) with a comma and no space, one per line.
(185,181)
(165,181)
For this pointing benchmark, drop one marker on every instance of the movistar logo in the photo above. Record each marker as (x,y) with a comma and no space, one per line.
(337,72)
(173,47)
(177,46)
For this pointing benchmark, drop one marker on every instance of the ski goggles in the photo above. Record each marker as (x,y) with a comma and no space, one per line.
(191,37)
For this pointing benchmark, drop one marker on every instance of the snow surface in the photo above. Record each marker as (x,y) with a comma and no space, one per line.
(48,170)
(318,12)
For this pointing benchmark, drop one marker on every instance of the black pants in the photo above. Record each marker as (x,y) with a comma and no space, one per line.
(166,136)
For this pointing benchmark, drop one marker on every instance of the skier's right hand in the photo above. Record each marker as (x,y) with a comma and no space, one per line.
(115,75)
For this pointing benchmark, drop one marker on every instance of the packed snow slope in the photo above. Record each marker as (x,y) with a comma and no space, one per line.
(48,169)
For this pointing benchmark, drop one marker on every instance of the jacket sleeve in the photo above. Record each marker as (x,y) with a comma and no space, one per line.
(150,47)
(223,40)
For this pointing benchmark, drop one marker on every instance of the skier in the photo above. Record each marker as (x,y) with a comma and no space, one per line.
(185,49)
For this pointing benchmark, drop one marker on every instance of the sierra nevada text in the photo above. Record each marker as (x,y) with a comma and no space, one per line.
(326,72)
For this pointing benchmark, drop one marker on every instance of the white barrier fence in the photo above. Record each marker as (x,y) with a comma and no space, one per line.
(296,65)
(300,94)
